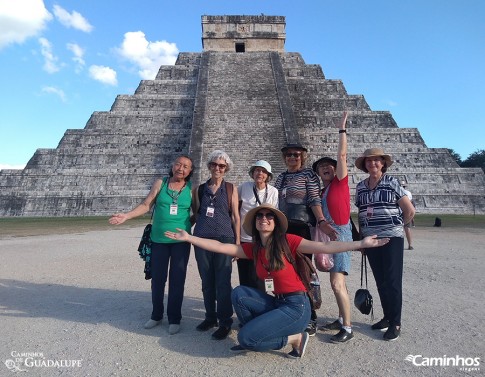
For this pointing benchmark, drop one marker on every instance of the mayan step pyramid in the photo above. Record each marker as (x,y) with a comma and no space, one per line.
(244,94)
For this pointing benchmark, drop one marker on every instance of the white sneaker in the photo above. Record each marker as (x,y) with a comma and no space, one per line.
(173,328)
(151,324)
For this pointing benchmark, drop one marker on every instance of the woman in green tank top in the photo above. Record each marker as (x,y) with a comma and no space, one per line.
(171,198)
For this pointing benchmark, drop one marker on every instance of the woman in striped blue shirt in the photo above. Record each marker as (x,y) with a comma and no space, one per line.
(384,209)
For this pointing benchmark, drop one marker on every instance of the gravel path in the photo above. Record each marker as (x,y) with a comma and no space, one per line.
(75,304)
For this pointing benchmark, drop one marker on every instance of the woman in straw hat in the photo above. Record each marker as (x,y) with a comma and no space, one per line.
(270,322)
(252,194)
(384,209)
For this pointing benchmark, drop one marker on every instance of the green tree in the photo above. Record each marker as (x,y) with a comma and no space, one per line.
(475,160)
(455,156)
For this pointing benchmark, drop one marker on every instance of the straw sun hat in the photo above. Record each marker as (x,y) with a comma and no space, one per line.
(372,152)
(249,219)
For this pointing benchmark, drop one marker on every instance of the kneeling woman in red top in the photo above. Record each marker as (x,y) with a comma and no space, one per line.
(270,322)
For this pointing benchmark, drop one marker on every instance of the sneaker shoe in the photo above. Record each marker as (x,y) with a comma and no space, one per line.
(150,324)
(299,353)
(206,325)
(342,336)
(173,328)
(238,349)
(382,325)
(221,333)
(392,333)
(311,329)
(335,325)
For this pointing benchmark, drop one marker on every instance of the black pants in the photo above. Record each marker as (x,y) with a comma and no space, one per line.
(303,230)
(387,267)
(247,274)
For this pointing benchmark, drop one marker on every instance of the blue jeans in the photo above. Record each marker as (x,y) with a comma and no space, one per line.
(215,272)
(177,254)
(267,321)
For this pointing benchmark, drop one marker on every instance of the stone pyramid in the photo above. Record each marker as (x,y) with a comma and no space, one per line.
(243,94)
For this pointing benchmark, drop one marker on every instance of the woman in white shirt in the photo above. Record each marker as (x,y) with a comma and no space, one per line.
(251,195)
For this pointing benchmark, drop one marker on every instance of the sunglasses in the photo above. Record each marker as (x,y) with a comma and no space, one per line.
(220,166)
(267,215)
(293,154)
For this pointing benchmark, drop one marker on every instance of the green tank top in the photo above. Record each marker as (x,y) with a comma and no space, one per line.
(163,220)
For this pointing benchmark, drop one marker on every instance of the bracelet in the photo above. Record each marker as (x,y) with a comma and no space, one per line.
(342,131)
(321,221)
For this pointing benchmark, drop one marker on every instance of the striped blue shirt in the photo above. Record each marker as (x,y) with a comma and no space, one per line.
(379,212)
(301,187)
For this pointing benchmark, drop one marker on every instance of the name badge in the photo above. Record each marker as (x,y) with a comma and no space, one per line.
(370,211)
(283,193)
(173,209)
(210,212)
(269,285)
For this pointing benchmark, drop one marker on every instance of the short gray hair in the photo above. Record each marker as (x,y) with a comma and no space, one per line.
(217,155)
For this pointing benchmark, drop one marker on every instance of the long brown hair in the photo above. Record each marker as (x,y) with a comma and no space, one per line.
(277,246)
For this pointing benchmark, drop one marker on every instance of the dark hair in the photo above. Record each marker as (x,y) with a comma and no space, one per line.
(384,166)
(170,173)
(277,246)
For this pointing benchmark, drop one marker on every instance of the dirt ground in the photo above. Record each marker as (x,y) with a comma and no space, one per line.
(75,305)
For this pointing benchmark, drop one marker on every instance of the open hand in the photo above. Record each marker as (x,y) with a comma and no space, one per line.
(180,235)
(118,218)
(372,241)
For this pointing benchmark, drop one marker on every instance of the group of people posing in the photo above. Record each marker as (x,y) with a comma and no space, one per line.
(262,227)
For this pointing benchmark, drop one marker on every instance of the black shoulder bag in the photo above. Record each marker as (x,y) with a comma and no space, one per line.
(145,246)
(363,298)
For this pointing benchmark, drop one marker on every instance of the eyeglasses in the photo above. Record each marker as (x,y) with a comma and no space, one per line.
(268,215)
(220,166)
(293,154)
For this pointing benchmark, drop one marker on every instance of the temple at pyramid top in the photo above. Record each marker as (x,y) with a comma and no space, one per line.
(243,33)
(246,95)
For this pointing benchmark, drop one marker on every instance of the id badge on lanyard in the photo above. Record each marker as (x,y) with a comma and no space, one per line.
(173,209)
(269,285)
(210,211)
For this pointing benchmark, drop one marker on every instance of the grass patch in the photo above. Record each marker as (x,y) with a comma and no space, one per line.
(36,226)
(447,221)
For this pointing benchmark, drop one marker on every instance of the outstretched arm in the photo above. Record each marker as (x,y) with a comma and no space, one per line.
(207,244)
(333,247)
(141,209)
(342,149)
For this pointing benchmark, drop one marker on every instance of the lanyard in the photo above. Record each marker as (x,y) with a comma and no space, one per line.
(257,196)
(175,196)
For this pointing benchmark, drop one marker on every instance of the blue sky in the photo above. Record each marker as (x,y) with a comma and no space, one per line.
(422,60)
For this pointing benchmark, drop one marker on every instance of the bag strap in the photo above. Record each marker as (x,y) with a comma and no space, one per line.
(363,264)
(156,197)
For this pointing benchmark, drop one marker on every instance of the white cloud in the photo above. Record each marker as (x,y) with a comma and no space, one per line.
(50,60)
(106,75)
(78,53)
(390,103)
(21,19)
(147,56)
(74,19)
(9,166)
(56,91)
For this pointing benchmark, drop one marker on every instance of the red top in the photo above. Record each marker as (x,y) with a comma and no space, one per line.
(285,280)
(338,200)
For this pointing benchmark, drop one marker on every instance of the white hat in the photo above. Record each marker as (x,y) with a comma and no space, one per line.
(262,164)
